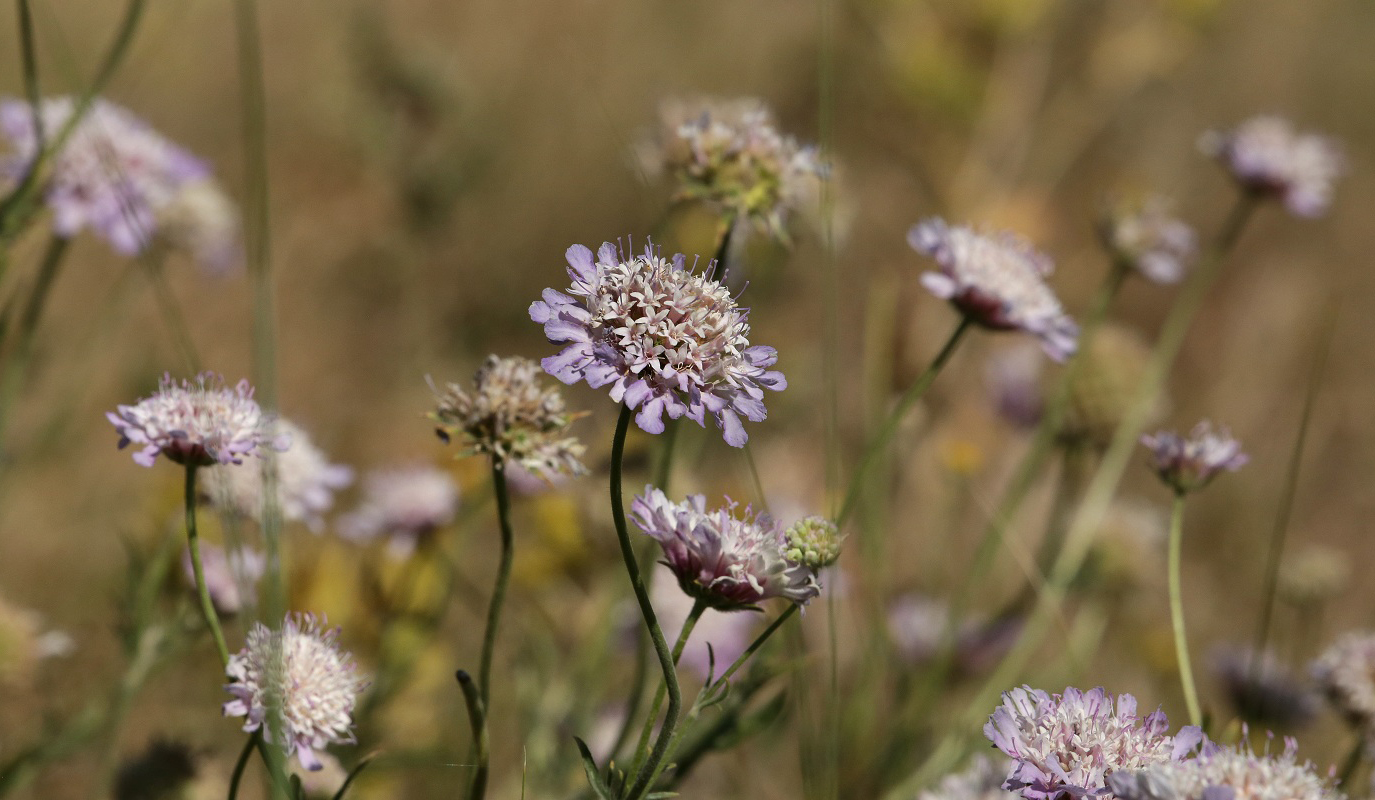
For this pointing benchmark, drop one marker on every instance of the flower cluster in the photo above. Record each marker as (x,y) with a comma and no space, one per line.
(1149,239)
(301,667)
(196,423)
(229,576)
(813,541)
(730,561)
(1234,773)
(1188,464)
(511,417)
(1268,158)
(306,482)
(666,339)
(996,281)
(406,504)
(1345,672)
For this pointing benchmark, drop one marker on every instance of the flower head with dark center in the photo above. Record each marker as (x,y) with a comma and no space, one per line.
(1268,158)
(306,482)
(1188,464)
(196,423)
(1226,773)
(665,339)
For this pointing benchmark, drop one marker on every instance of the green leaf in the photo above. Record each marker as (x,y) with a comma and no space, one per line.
(594,776)
(339,795)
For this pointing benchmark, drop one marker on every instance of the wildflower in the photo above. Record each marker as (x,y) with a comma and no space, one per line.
(301,667)
(730,154)
(229,577)
(1013,379)
(718,639)
(813,541)
(196,423)
(730,561)
(1345,673)
(1189,464)
(511,417)
(1105,384)
(996,281)
(666,339)
(1313,576)
(1263,690)
(981,780)
(1233,773)
(306,482)
(202,221)
(1147,238)
(406,504)
(1268,158)
(1068,745)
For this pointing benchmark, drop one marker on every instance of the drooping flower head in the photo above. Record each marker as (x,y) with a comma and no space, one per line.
(405,504)
(1345,673)
(301,667)
(1067,745)
(306,482)
(1268,158)
(665,338)
(1226,773)
(1262,689)
(510,416)
(198,423)
(997,281)
(1188,464)
(230,577)
(1148,238)
(730,557)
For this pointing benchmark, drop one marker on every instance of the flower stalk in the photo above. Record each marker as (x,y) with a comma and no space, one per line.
(489,638)
(193,544)
(1181,641)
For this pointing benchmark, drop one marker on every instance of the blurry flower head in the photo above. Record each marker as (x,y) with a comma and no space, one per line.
(197,423)
(1128,551)
(510,416)
(301,666)
(230,578)
(404,504)
(1014,380)
(24,644)
(1345,673)
(981,780)
(1313,576)
(1105,384)
(1188,464)
(666,339)
(730,561)
(1267,157)
(997,281)
(1147,237)
(202,221)
(1262,690)
(1225,773)
(729,153)
(1068,745)
(813,541)
(719,637)
(306,482)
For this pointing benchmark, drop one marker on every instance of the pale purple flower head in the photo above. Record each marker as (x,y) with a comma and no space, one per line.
(306,482)
(1267,157)
(730,561)
(1188,464)
(405,504)
(666,339)
(1147,237)
(998,281)
(230,578)
(1067,745)
(196,423)
(301,667)
(1226,773)
(1345,673)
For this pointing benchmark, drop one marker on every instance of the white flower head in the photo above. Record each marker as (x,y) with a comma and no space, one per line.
(196,423)
(1268,158)
(306,482)
(404,504)
(1225,773)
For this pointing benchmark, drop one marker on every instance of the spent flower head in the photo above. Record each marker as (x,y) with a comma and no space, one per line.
(511,416)
(306,482)
(300,666)
(1146,236)
(1226,773)
(998,281)
(230,577)
(405,504)
(1268,158)
(665,338)
(1188,464)
(730,557)
(196,423)
(1345,673)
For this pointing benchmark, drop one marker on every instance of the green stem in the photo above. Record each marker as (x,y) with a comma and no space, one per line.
(1181,641)
(698,606)
(17,364)
(28,57)
(477,718)
(723,248)
(237,775)
(756,644)
(489,639)
(193,542)
(885,434)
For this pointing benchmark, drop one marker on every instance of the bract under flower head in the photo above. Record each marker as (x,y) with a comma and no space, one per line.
(1189,464)
(996,281)
(301,667)
(729,561)
(510,416)
(196,423)
(666,339)
(1067,745)
(405,504)
(1345,672)
(1226,773)
(306,482)
(1267,157)
(1147,237)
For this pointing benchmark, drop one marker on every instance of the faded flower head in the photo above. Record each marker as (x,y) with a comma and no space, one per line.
(1149,239)
(1188,464)
(1268,158)
(1068,745)
(981,780)
(1226,773)
(665,338)
(1263,690)
(230,578)
(404,504)
(1313,576)
(727,560)
(1106,383)
(998,281)
(510,416)
(813,541)
(731,155)
(196,423)
(1345,673)
(306,482)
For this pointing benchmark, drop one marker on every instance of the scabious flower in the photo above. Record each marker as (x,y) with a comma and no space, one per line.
(729,153)
(301,667)
(230,577)
(511,417)
(306,482)
(1149,239)
(981,780)
(1268,158)
(1067,745)
(998,281)
(813,541)
(405,504)
(1345,673)
(666,339)
(202,221)
(729,561)
(196,423)
(1226,773)
(1262,690)
(1189,464)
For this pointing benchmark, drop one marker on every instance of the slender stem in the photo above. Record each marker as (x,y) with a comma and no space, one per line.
(17,364)
(723,248)
(194,544)
(477,718)
(1353,760)
(756,644)
(890,425)
(29,59)
(663,472)
(698,606)
(1181,641)
(489,639)
(237,775)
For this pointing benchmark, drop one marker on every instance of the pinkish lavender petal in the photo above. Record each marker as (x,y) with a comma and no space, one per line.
(200,423)
(1267,157)
(1188,464)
